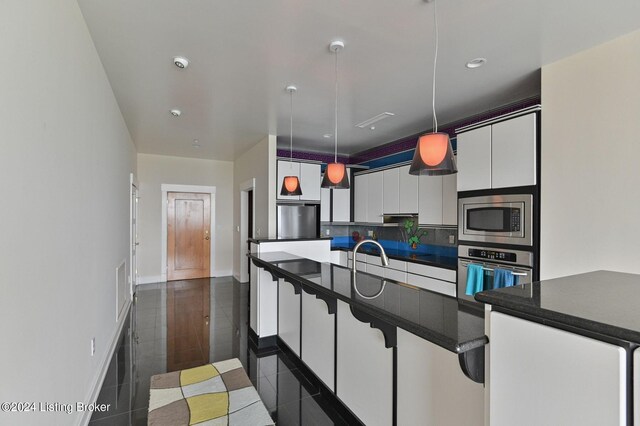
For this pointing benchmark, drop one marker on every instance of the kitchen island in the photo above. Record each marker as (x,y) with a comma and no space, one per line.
(564,351)
(392,353)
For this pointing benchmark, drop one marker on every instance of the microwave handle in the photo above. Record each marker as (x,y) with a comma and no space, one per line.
(520,274)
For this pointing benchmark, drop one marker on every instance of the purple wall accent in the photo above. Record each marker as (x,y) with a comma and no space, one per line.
(312,156)
(409,142)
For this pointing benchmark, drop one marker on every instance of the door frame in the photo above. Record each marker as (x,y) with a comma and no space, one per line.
(245,187)
(134,191)
(166,188)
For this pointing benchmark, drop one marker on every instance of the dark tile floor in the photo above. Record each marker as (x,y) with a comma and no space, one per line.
(182,324)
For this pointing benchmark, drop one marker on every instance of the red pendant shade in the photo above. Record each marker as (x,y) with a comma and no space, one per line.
(291,186)
(433,148)
(335,176)
(433,156)
(336,172)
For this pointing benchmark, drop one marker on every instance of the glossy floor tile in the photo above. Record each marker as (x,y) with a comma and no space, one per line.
(182,324)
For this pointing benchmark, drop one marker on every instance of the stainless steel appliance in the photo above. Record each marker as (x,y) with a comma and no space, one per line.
(298,221)
(502,219)
(519,262)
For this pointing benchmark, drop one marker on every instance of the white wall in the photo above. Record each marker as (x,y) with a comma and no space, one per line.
(153,171)
(65,159)
(590,151)
(260,163)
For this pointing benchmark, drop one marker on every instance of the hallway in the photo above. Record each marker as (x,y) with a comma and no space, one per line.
(165,313)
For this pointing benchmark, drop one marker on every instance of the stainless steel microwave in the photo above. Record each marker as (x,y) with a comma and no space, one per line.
(504,219)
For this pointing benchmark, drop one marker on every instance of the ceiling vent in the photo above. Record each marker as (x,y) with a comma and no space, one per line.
(375,119)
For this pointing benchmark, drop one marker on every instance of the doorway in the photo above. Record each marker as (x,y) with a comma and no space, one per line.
(188,236)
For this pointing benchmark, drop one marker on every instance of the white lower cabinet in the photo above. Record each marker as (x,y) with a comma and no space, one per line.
(364,369)
(539,375)
(318,338)
(439,286)
(289,316)
(432,389)
(394,274)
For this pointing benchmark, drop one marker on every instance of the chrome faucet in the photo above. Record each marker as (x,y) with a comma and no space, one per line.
(383,256)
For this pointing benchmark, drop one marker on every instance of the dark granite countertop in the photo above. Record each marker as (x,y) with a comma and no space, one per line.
(435,317)
(439,261)
(601,302)
(276,240)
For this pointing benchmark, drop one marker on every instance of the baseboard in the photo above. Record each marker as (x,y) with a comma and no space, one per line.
(150,279)
(222,273)
(102,372)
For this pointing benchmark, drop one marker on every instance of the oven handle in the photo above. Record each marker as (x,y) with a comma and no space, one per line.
(513,271)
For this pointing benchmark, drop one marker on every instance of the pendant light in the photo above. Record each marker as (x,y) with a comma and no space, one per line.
(335,176)
(291,184)
(434,155)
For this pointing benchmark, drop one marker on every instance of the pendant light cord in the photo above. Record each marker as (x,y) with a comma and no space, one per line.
(335,129)
(291,126)
(435,63)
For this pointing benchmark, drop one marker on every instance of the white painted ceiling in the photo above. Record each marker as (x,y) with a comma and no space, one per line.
(244,52)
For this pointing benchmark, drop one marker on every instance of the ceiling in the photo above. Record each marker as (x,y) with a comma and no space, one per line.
(244,53)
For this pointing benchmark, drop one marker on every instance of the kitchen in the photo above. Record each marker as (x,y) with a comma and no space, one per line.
(490,306)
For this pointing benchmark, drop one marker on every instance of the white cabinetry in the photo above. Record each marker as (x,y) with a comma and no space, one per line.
(289,316)
(430,200)
(375,197)
(513,152)
(432,388)
(539,375)
(287,168)
(364,369)
(391,196)
(408,191)
(310,180)
(318,338)
(341,205)
(361,195)
(500,155)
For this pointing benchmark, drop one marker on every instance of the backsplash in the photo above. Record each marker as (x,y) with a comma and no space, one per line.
(433,235)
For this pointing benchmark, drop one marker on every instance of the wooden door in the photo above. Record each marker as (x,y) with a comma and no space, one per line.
(188,236)
(188,311)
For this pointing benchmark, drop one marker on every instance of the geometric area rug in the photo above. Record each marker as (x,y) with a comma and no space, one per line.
(218,394)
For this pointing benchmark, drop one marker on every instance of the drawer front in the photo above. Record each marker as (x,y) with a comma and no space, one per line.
(349,255)
(432,284)
(396,275)
(361,257)
(375,270)
(373,260)
(393,263)
(432,271)
(361,266)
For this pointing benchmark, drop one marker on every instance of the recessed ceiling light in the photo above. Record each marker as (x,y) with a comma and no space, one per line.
(476,63)
(175,112)
(181,62)
(327,135)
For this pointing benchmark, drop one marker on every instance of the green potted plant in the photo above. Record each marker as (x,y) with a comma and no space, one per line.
(414,233)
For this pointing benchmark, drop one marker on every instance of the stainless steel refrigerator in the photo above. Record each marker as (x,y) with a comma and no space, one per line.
(298,221)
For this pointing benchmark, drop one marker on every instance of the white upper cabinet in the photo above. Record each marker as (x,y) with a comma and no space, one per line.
(474,159)
(430,200)
(341,205)
(501,155)
(375,195)
(310,180)
(391,183)
(513,152)
(287,168)
(408,191)
(361,195)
